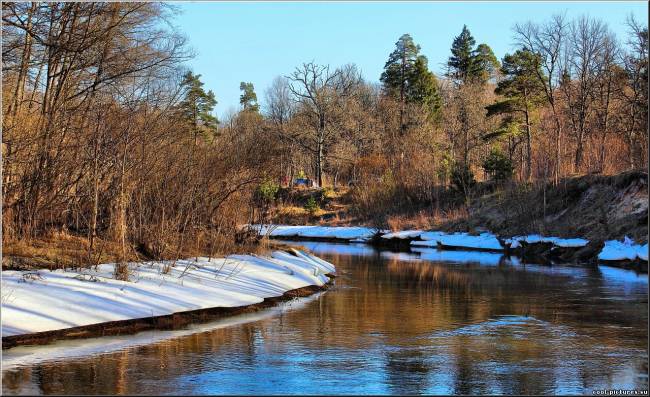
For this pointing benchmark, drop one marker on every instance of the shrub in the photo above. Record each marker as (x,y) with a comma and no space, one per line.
(445,168)
(268,190)
(327,193)
(498,166)
(312,206)
(121,272)
(462,177)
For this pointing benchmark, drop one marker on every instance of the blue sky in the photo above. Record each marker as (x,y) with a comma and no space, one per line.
(256,41)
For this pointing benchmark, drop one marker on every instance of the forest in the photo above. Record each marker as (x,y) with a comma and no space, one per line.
(110,141)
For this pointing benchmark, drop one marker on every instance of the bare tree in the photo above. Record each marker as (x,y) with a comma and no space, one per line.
(547,40)
(609,82)
(320,94)
(635,63)
(278,101)
(580,65)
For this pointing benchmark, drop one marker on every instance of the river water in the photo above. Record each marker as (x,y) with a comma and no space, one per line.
(394,323)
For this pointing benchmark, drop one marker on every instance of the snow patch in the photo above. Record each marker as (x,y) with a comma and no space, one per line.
(405,234)
(643,252)
(515,242)
(59,299)
(459,240)
(626,250)
(338,232)
(432,236)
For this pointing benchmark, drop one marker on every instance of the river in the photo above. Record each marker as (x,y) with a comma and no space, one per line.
(393,323)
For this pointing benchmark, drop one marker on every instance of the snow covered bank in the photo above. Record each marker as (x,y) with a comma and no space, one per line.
(69,349)
(515,242)
(359,234)
(56,300)
(405,234)
(621,251)
(613,250)
(484,241)
(320,232)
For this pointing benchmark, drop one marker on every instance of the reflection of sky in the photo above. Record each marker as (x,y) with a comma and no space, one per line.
(559,270)
(400,256)
(626,279)
(295,371)
(483,258)
(622,281)
(320,248)
(619,276)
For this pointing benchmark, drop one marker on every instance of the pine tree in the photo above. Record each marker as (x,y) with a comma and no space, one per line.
(197,105)
(248,98)
(461,59)
(423,88)
(398,67)
(468,64)
(407,78)
(523,92)
(484,64)
(396,72)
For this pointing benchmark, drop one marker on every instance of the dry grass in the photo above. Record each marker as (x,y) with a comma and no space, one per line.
(59,250)
(427,219)
(422,220)
(294,215)
(590,206)
(291,211)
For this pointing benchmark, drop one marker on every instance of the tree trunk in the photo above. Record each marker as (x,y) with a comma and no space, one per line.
(92,230)
(319,165)
(402,95)
(580,143)
(319,156)
(120,222)
(558,147)
(529,161)
(24,66)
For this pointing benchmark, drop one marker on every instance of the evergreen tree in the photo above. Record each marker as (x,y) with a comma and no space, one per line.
(523,92)
(398,67)
(248,98)
(423,88)
(197,106)
(461,59)
(521,82)
(483,64)
(407,78)
(469,64)
(498,166)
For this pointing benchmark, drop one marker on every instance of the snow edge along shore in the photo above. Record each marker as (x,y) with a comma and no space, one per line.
(530,247)
(51,305)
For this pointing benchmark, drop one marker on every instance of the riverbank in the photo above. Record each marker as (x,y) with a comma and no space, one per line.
(40,306)
(583,219)
(594,207)
(533,247)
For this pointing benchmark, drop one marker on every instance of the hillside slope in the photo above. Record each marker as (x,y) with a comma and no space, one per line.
(593,206)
